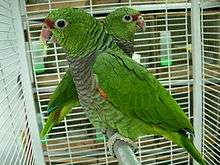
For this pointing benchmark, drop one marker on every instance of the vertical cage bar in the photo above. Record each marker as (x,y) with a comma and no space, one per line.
(188,67)
(169,70)
(197,73)
(203,76)
(26,82)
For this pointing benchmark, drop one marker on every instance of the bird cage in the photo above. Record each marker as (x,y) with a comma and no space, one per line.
(19,139)
(180,46)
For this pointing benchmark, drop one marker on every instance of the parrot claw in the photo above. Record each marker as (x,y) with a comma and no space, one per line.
(117,136)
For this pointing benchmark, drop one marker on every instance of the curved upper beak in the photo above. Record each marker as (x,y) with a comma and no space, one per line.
(141,24)
(45,35)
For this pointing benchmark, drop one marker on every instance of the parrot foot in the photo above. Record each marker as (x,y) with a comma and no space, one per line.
(117,136)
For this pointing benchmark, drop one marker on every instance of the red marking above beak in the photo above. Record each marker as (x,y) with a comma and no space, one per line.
(49,23)
(135,17)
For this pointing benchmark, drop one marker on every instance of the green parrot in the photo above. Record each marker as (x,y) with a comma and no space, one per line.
(65,96)
(116,92)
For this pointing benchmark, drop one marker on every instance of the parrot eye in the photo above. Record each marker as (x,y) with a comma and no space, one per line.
(127,18)
(61,23)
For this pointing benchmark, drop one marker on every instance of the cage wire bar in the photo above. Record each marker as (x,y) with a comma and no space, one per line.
(210,30)
(19,138)
(197,73)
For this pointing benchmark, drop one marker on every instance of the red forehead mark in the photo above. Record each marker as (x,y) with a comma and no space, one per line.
(135,17)
(49,23)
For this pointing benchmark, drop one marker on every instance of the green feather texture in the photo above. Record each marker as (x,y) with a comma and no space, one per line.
(121,29)
(65,97)
(135,103)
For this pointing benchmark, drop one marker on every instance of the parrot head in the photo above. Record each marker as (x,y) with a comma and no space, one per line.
(70,27)
(124,22)
(77,31)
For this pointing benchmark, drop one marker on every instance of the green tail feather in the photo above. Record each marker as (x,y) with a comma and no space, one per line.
(57,116)
(48,126)
(189,146)
(183,141)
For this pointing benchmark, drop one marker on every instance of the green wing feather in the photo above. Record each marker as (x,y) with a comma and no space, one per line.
(64,92)
(62,101)
(56,116)
(137,93)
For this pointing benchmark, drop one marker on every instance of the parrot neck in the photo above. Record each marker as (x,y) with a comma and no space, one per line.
(126,46)
(82,64)
(83,77)
(95,40)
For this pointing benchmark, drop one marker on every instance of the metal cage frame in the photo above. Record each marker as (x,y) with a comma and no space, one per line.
(185,32)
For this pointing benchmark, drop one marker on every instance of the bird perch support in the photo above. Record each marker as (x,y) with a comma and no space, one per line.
(123,152)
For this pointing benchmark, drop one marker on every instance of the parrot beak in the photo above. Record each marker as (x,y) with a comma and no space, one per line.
(141,23)
(45,35)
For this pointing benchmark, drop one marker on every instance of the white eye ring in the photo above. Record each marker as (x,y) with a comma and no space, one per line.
(127,18)
(61,23)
